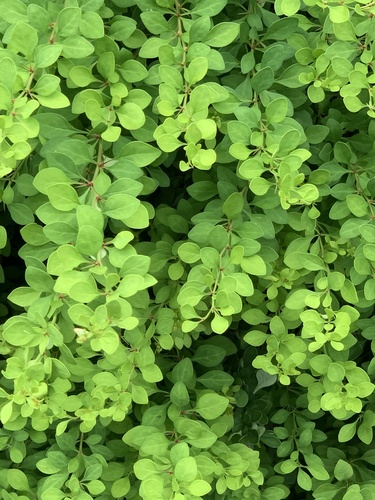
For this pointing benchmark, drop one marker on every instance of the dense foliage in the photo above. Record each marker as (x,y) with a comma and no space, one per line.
(188,249)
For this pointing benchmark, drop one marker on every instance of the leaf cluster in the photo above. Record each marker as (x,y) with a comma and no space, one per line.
(193,184)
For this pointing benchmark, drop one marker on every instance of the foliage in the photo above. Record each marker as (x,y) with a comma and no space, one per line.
(194,187)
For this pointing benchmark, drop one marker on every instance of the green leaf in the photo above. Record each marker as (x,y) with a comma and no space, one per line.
(186,469)
(60,232)
(87,215)
(139,394)
(244,285)
(38,17)
(151,373)
(52,125)
(254,265)
(216,380)
(56,100)
(233,205)
(211,406)
(91,25)
(150,48)
(131,116)
(264,380)
(155,22)
(351,228)
(140,153)
(289,141)
(55,462)
(209,7)
(347,432)
(13,11)
(68,21)
(255,337)
(133,71)
(219,324)
(316,467)
(209,355)
(339,14)
(130,285)
(120,206)
(369,289)
(304,480)
(89,240)
(343,471)
(77,150)
(46,55)
(62,196)
(247,62)
(38,279)
(6,412)
(251,168)
(316,135)
(3,237)
(156,444)
(46,85)
(273,56)
(189,252)
(196,70)
(199,488)
(277,110)
(183,371)
(95,487)
(204,159)
(353,104)
(345,31)
(21,214)
(106,65)
(369,457)
(136,264)
(349,293)
(202,191)
(336,372)
(65,258)
(179,395)
(281,29)
(262,80)
(122,28)
(23,296)
(341,66)
(145,467)
(369,252)
(239,133)
(112,134)
(222,34)
(52,494)
(139,220)
(289,7)
(76,47)
(23,39)
(18,480)
(85,292)
(365,434)
(82,77)
(8,72)
(152,487)
(171,76)
(120,487)
(368,233)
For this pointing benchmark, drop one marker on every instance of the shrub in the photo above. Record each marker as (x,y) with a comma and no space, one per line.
(193,183)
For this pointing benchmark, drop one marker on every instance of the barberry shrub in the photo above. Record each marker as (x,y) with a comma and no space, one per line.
(190,189)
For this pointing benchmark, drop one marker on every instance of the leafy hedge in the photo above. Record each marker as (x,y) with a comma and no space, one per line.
(190,187)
